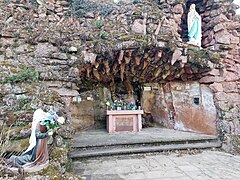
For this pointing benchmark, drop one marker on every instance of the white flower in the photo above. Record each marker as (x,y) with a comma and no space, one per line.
(61,120)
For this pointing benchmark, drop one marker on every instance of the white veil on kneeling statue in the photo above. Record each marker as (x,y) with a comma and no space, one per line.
(38,116)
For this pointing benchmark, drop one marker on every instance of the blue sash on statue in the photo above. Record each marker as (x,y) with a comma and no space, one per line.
(193,33)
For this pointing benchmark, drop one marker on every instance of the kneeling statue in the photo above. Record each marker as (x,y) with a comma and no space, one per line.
(37,152)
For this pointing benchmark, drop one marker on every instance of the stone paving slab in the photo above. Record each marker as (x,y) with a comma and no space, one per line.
(101,137)
(206,165)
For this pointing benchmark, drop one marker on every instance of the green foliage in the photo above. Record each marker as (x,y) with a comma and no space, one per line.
(214,57)
(20,124)
(198,57)
(22,102)
(203,56)
(103,34)
(79,8)
(34,3)
(51,171)
(6,1)
(136,1)
(25,75)
(198,54)
(98,23)
(24,144)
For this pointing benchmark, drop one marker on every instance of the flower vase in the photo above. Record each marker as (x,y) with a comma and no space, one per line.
(119,108)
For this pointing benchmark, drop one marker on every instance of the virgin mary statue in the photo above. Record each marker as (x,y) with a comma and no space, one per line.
(194,27)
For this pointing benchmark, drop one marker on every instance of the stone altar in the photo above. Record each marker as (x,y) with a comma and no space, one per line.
(124,120)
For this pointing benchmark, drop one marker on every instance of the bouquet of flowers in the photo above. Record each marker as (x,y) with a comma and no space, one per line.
(132,106)
(52,120)
(118,103)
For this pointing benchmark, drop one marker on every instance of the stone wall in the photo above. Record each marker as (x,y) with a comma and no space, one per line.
(185,106)
(61,41)
(221,32)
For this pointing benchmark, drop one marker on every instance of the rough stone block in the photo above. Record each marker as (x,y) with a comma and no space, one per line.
(73,72)
(230,76)
(214,72)
(218,27)
(223,37)
(231,97)
(211,79)
(9,53)
(60,56)
(2,58)
(139,26)
(176,55)
(233,26)
(216,87)
(230,87)
(22,49)
(220,19)
(234,40)
(66,92)
(178,9)
(44,50)
(89,57)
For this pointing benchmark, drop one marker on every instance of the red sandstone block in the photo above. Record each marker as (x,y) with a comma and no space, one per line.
(216,87)
(223,37)
(230,97)
(230,76)
(229,87)
(59,9)
(211,79)
(234,40)
(219,27)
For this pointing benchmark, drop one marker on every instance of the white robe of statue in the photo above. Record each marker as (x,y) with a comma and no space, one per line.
(194,27)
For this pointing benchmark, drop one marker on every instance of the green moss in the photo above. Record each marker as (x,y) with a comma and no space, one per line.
(98,23)
(79,8)
(166,74)
(24,75)
(197,55)
(103,34)
(52,172)
(214,56)
(22,103)
(15,45)
(24,144)
(6,2)
(200,58)
(225,47)
(6,63)
(14,130)
(57,153)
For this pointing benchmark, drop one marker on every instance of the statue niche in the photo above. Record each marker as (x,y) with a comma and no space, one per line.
(194,27)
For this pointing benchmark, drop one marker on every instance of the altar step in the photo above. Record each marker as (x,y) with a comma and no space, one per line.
(140,148)
(104,144)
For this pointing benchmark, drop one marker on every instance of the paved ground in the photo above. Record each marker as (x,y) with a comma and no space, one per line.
(206,165)
(101,137)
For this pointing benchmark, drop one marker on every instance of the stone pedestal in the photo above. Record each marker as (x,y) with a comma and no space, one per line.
(124,120)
